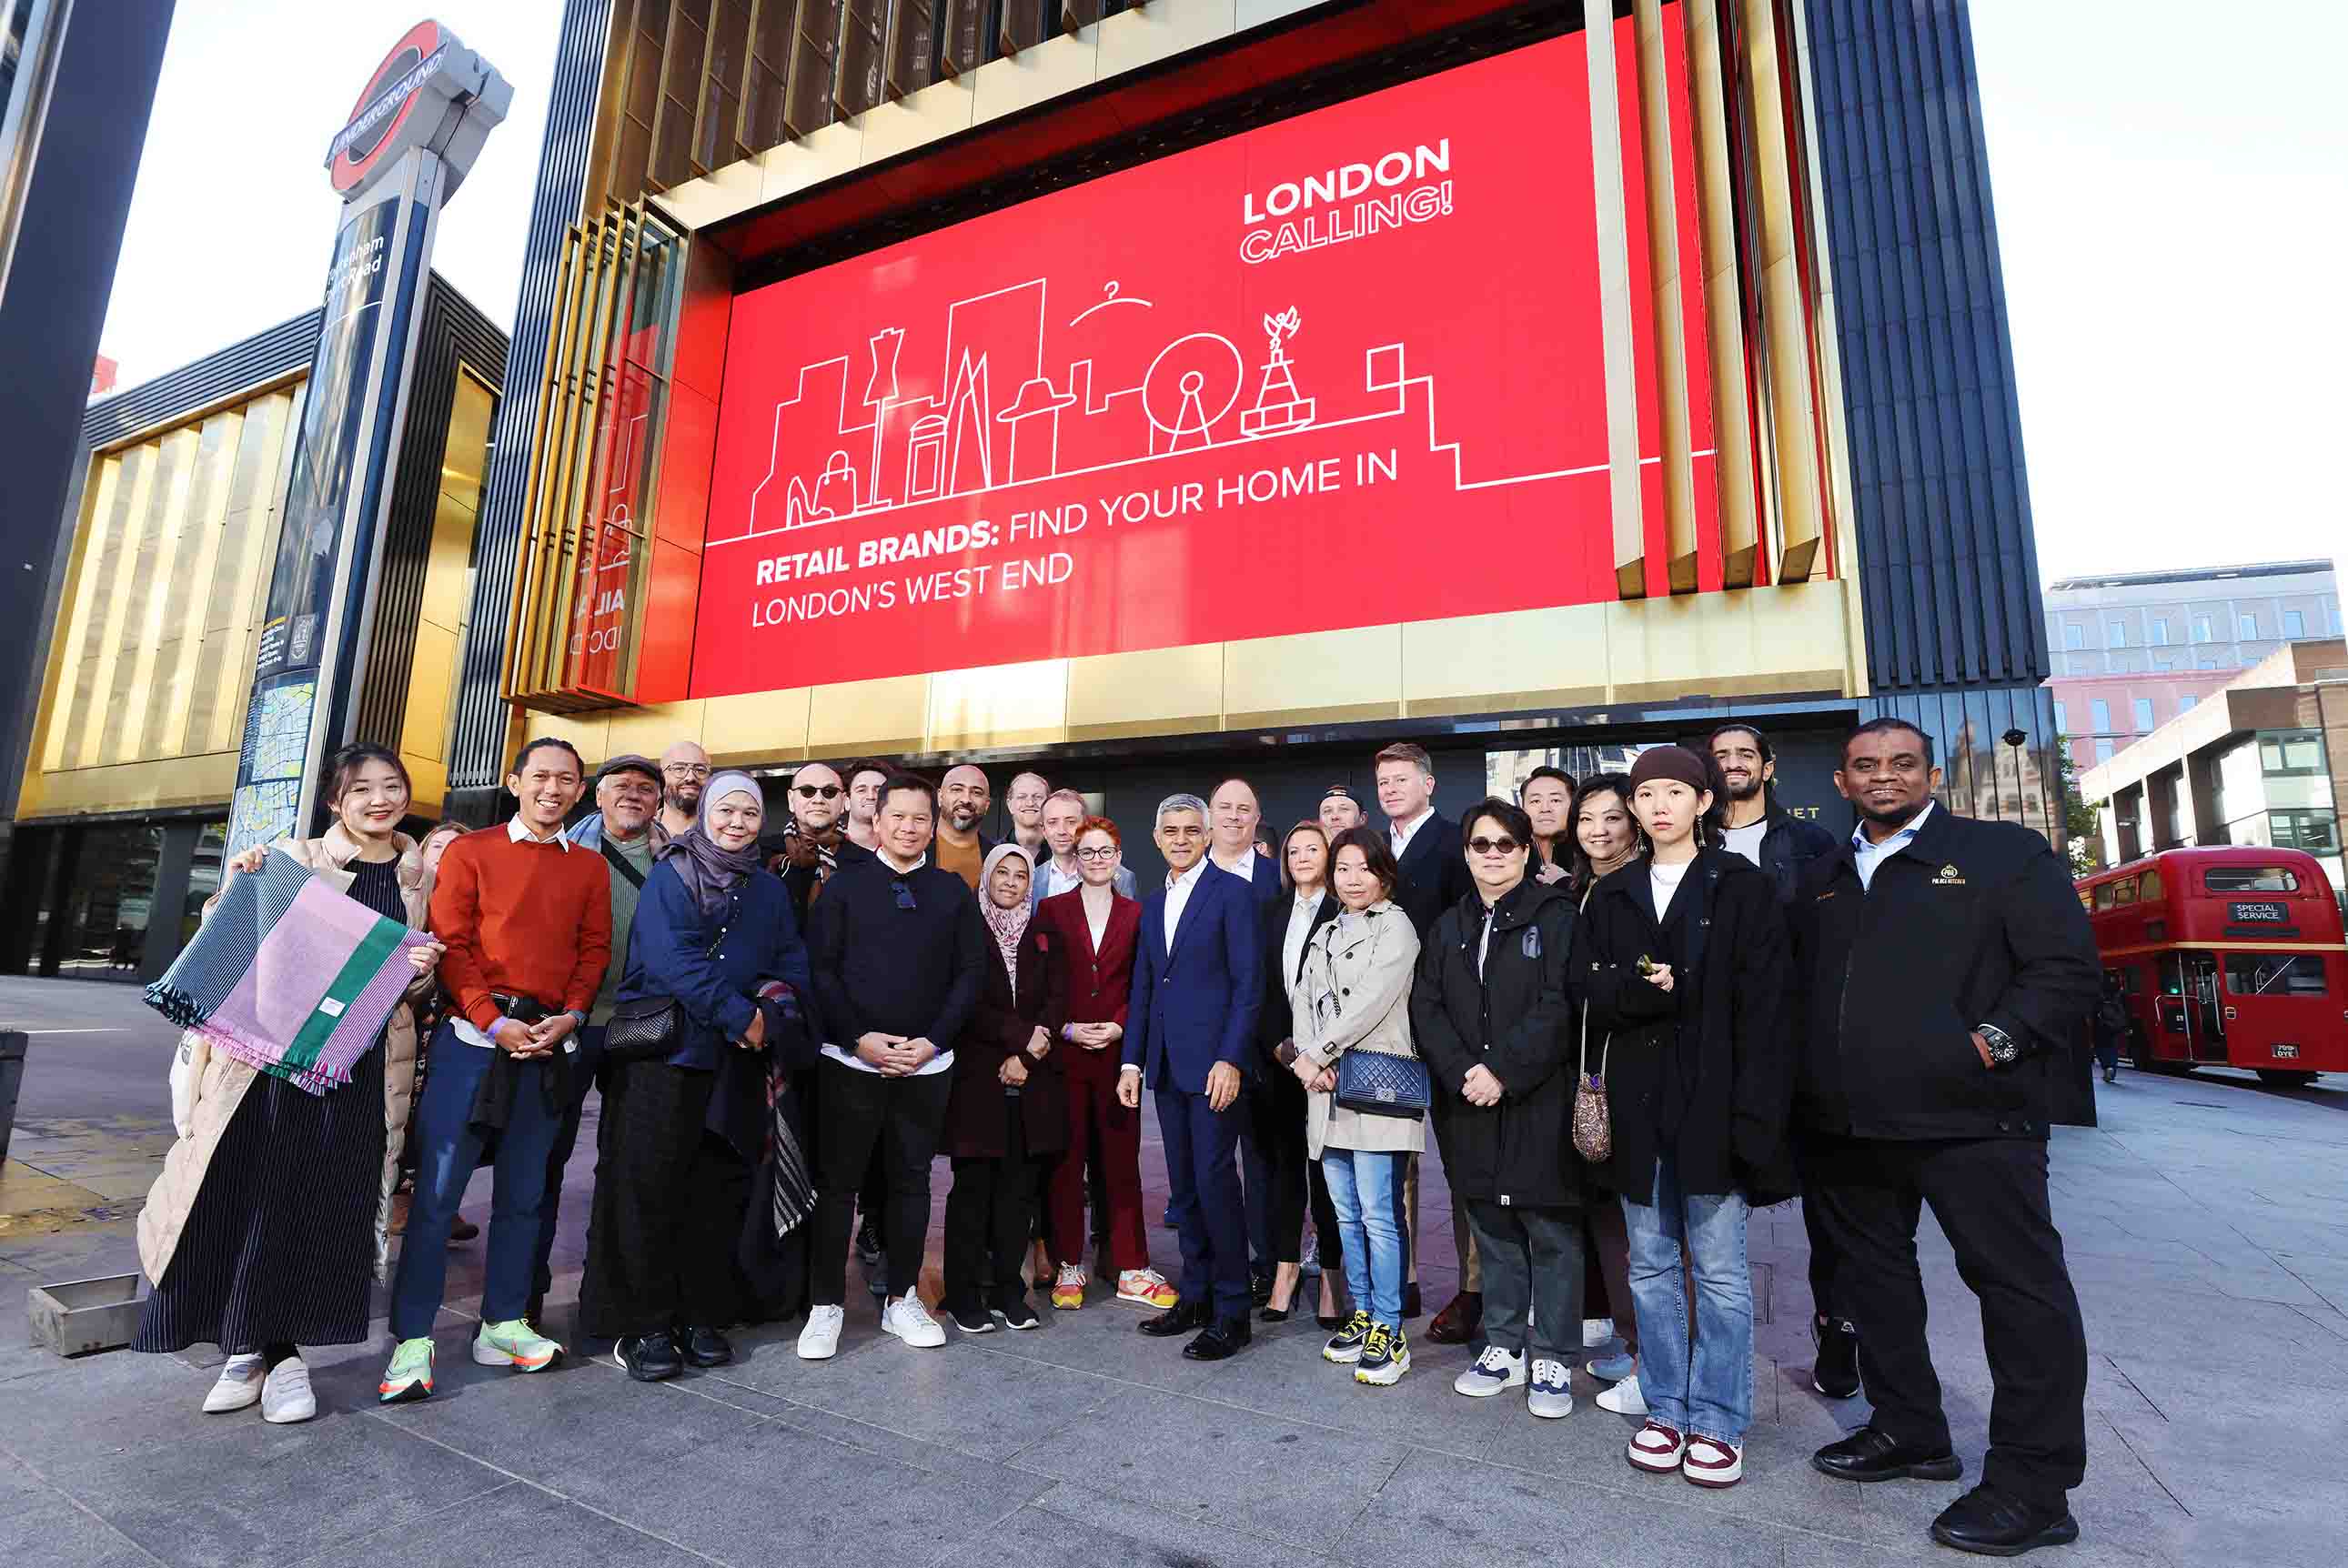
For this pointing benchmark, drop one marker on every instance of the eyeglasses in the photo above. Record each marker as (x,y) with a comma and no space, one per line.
(686,770)
(1494,845)
(904,894)
(1098,852)
(815,792)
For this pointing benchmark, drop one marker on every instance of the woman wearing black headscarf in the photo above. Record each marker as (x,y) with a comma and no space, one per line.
(712,929)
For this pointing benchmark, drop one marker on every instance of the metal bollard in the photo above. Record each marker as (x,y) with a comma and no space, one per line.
(12,1073)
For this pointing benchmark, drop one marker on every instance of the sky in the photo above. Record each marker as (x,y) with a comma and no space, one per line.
(2171,182)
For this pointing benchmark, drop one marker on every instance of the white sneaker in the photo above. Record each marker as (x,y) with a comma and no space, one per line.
(1596,1331)
(1623,1398)
(909,1321)
(1552,1396)
(285,1395)
(1494,1370)
(820,1340)
(239,1385)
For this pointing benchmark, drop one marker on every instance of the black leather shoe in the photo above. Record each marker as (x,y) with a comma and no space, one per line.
(1998,1524)
(1459,1322)
(1836,1375)
(1220,1342)
(1182,1317)
(1274,1314)
(647,1358)
(1868,1455)
(703,1346)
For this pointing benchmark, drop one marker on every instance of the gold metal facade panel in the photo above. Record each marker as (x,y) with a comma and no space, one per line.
(1154,690)
(1036,75)
(765,726)
(651,731)
(1007,705)
(446,597)
(1458,665)
(1316,672)
(885,715)
(156,621)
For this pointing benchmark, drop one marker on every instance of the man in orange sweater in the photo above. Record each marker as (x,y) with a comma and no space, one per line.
(527,918)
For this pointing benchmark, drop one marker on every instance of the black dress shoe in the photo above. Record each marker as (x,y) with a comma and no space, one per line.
(1999,1524)
(1836,1374)
(647,1358)
(703,1346)
(1220,1341)
(1459,1321)
(1869,1455)
(1182,1317)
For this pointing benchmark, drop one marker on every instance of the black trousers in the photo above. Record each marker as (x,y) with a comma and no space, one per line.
(861,1111)
(1275,1103)
(990,1219)
(1824,1255)
(667,1208)
(1989,1195)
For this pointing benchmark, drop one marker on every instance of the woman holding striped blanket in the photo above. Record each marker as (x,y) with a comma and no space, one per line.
(267,1227)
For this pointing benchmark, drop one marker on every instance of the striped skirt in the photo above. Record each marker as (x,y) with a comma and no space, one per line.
(279,1245)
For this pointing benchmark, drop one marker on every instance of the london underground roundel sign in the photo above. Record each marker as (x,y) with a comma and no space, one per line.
(431,92)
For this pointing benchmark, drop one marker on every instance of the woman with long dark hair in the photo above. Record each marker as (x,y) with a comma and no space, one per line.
(1280,1108)
(270,1222)
(713,929)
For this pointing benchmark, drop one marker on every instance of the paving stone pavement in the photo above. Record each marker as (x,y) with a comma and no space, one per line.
(2207,1222)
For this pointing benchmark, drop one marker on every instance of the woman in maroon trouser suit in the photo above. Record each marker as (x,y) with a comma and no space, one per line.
(1095,928)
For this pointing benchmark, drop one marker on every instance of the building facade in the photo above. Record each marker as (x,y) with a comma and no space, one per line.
(2133,650)
(166,548)
(2262,760)
(1145,393)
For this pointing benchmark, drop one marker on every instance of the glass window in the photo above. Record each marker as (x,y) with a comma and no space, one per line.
(2294,624)
(2202,630)
(2151,892)
(2103,751)
(2144,715)
(2160,634)
(2103,714)
(2297,827)
(110,902)
(2250,879)
(2074,634)
(2062,724)
(2186,702)
(2087,897)
(2124,891)
(2104,895)
(2298,755)
(2250,627)
(2115,635)
(2274,974)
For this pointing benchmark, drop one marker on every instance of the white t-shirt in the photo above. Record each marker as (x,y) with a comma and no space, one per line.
(1746,840)
(1665,880)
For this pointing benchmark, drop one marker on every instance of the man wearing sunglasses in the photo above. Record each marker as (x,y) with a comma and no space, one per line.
(814,844)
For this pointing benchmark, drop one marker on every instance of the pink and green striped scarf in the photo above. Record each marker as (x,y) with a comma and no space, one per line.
(289,976)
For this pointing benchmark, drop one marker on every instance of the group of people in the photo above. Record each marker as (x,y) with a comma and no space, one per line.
(1624,1011)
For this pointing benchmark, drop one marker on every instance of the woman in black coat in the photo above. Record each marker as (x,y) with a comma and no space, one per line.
(1007,1110)
(1278,1102)
(1685,965)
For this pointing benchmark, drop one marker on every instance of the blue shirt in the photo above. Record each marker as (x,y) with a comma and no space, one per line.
(1865,854)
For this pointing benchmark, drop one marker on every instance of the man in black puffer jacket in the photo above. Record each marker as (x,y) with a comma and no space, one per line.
(1487,1013)
(1943,968)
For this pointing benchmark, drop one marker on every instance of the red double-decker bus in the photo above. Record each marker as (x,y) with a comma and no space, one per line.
(2229,956)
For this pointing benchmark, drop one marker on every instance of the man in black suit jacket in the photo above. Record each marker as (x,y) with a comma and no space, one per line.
(1943,968)
(1434,867)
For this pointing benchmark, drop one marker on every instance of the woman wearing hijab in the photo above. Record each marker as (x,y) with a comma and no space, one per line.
(1007,1110)
(712,928)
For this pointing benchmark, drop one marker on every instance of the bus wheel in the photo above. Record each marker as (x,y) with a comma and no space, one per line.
(2285,1077)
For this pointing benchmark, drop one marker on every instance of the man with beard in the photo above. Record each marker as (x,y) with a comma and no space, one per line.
(1339,811)
(685,769)
(864,781)
(963,800)
(813,844)
(1783,845)
(1024,801)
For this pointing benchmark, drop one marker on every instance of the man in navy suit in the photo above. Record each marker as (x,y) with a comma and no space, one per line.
(1232,817)
(1198,980)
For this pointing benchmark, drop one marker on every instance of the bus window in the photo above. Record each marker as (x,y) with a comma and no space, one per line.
(2087,897)
(2124,891)
(2274,974)
(2103,895)
(2250,879)
(2151,892)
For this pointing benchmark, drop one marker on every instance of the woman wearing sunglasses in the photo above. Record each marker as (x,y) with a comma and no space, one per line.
(1687,968)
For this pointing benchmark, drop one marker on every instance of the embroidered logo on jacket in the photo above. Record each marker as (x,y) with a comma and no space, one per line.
(1949,877)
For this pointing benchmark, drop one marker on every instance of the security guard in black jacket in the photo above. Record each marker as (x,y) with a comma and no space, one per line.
(1943,968)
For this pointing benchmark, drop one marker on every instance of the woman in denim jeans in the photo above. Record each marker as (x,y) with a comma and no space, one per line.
(1353,993)
(1687,965)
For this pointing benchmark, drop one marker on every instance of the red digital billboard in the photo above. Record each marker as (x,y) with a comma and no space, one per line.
(1343,370)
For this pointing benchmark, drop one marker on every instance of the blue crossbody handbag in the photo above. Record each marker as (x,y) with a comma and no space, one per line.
(1376,1084)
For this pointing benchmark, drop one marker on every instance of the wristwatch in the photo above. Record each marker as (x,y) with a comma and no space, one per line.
(1285,1053)
(2002,1048)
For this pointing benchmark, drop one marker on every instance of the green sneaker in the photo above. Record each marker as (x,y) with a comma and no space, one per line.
(515,1343)
(409,1376)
